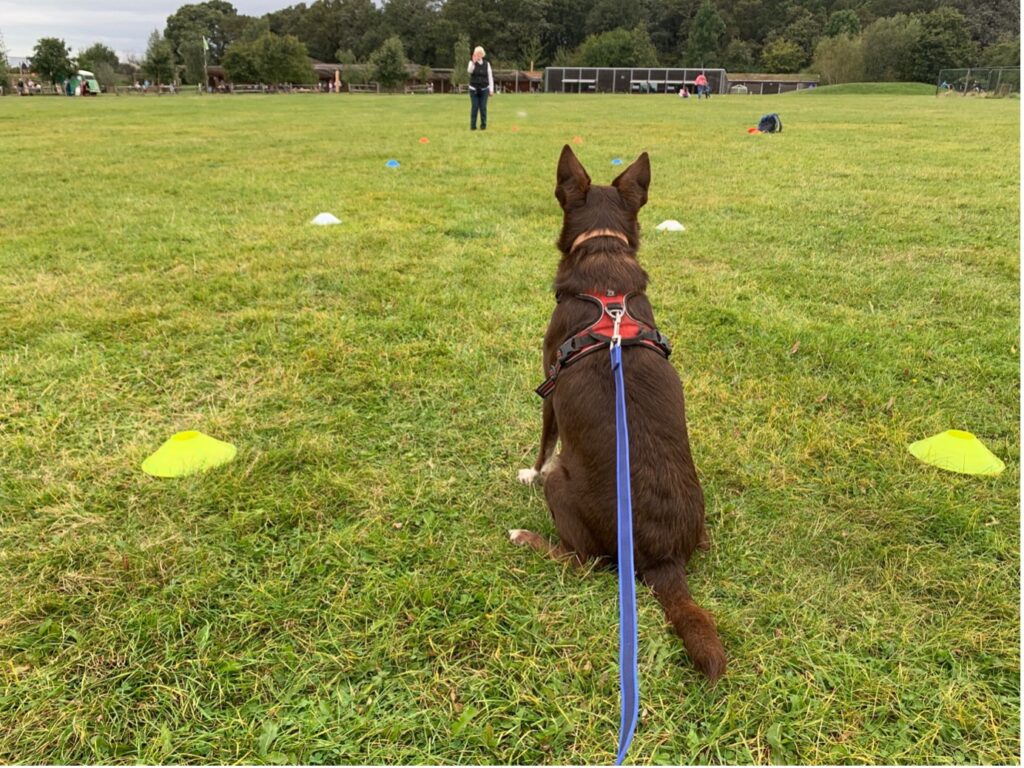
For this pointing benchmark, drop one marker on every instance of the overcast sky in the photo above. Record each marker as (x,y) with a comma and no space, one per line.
(123,25)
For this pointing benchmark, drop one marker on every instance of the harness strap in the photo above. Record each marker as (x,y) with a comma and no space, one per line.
(599,334)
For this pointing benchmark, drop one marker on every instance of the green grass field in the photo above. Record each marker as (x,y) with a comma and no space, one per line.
(344,591)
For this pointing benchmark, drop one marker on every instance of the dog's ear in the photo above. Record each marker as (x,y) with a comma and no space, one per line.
(633,182)
(573,181)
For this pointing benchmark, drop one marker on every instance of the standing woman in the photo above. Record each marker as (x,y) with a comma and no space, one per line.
(702,86)
(481,85)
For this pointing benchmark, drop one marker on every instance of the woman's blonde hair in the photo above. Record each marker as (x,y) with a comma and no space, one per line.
(479,49)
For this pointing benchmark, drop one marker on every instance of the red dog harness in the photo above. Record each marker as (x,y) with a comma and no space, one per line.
(614,323)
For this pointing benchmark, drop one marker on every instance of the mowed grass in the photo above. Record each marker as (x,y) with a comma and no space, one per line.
(344,591)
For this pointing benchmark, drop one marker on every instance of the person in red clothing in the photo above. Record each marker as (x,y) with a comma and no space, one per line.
(702,86)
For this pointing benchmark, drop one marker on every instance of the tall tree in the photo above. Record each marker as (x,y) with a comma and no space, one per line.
(102,62)
(195,58)
(503,27)
(989,20)
(190,23)
(843,22)
(51,58)
(754,21)
(669,25)
(880,9)
(888,46)
(738,56)
(526,23)
(159,61)
(703,45)
(97,54)
(388,63)
(805,30)
(606,15)
(328,26)
(461,53)
(533,53)
(473,19)
(564,26)
(945,42)
(414,22)
(4,65)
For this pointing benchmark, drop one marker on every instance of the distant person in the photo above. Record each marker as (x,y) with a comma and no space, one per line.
(684,93)
(481,85)
(702,86)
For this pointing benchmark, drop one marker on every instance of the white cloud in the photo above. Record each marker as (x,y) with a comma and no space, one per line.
(123,25)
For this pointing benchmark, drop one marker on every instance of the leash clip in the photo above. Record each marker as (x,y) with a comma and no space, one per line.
(616,316)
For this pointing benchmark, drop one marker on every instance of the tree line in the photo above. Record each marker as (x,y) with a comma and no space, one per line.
(841,39)
(739,35)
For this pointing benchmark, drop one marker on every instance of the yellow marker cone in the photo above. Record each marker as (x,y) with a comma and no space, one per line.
(957,451)
(187,453)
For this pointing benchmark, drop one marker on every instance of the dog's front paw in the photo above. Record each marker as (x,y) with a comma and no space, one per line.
(522,536)
(528,476)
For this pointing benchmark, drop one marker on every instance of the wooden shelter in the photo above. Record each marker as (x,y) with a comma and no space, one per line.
(765,84)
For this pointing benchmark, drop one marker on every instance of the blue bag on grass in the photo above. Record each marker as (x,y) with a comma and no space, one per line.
(770,123)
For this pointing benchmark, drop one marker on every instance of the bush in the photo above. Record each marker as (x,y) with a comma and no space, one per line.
(1005,53)
(782,56)
(618,48)
(738,56)
(839,59)
(269,59)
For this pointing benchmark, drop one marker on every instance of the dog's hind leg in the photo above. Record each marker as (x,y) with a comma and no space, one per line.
(576,541)
(693,624)
(538,543)
(548,441)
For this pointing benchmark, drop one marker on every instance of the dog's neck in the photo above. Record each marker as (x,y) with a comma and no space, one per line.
(598,269)
(592,233)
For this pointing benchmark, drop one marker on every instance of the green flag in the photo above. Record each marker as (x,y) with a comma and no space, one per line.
(206,44)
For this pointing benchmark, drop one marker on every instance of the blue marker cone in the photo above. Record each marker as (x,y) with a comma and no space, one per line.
(617,161)
(392,163)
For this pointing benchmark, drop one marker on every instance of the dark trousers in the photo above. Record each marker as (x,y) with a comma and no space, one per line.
(478,98)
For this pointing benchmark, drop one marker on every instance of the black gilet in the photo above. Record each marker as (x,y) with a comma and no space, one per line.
(479,79)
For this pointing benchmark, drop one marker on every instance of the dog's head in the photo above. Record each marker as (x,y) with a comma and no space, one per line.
(589,207)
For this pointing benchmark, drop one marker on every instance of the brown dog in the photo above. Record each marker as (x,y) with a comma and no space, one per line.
(599,241)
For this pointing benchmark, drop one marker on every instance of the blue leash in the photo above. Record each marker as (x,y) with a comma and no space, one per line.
(628,675)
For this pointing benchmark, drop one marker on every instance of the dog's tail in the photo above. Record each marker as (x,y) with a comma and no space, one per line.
(693,623)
